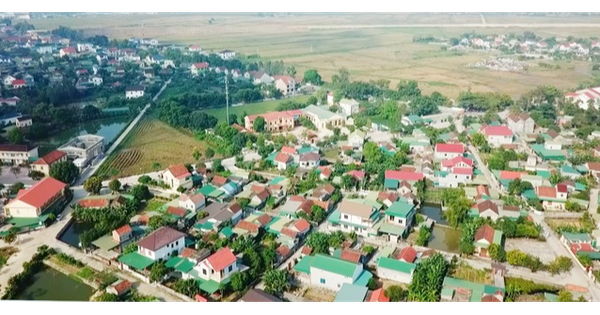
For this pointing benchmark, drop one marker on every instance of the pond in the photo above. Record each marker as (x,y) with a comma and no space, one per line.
(52,285)
(71,234)
(434,212)
(445,238)
(108,128)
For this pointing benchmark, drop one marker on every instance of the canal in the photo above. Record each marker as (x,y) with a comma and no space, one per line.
(108,128)
(52,285)
(443,237)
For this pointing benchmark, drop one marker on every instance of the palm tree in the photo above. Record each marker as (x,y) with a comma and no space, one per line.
(293,186)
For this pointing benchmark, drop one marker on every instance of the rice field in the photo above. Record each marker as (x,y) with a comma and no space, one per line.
(152,141)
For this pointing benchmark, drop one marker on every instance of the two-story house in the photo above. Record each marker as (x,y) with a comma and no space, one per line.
(44,163)
(445,151)
(198,68)
(553,198)
(497,135)
(192,202)
(398,220)
(217,267)
(349,107)
(357,217)
(177,176)
(134,91)
(522,123)
(285,84)
(161,244)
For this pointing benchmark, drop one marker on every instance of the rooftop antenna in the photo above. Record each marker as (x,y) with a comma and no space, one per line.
(227,97)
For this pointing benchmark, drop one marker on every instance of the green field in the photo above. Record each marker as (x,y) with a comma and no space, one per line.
(253,108)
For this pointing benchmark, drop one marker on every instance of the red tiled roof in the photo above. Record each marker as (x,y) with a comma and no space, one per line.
(483,190)
(276,115)
(263,195)
(288,150)
(586,247)
(490,298)
(485,232)
(93,203)
(450,147)
(257,188)
(325,171)
(50,158)
(399,175)
(379,296)
(408,254)
(545,191)
(179,171)
(511,174)
(201,65)
(39,194)
(296,198)
(387,195)
(487,205)
(302,225)
(69,50)
(235,207)
(219,180)
(350,255)
(282,157)
(160,238)
(264,219)
(180,212)
(200,298)
(462,170)
(124,229)
(283,250)
(359,175)
(221,259)
(122,286)
(18,82)
(497,131)
(561,188)
(188,252)
(286,79)
(289,232)
(593,166)
(248,226)
(306,250)
(456,160)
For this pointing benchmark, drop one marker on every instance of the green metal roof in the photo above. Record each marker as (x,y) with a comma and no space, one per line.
(386,251)
(227,232)
(447,292)
(204,226)
(334,265)
(400,209)
(136,261)
(577,237)
(498,237)
(320,112)
(216,193)
(392,229)
(363,278)
(396,265)
(550,297)
(276,180)
(391,183)
(545,154)
(180,264)
(544,174)
(174,261)
(304,264)
(568,169)
(479,288)
(334,217)
(351,293)
(206,190)
(209,287)
(592,255)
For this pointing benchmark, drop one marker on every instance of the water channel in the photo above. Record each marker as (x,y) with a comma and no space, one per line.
(52,285)
(443,237)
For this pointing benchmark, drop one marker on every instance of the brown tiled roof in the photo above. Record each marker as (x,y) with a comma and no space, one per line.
(510,208)
(122,286)
(513,117)
(306,206)
(179,170)
(264,219)
(248,226)
(235,207)
(488,204)
(553,134)
(188,252)
(322,190)
(180,212)
(485,232)
(408,254)
(302,225)
(219,180)
(123,230)
(50,158)
(546,191)
(350,255)
(387,195)
(311,156)
(282,157)
(593,166)
(283,250)
(289,232)
(263,195)
(160,238)
(306,250)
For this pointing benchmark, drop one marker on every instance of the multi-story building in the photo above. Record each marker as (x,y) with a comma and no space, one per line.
(17,154)
(321,117)
(285,84)
(357,217)
(275,121)
(522,123)
(83,149)
(45,163)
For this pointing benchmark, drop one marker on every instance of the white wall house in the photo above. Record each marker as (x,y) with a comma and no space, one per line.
(193,202)
(177,176)
(349,106)
(218,267)
(329,272)
(521,123)
(160,244)
(498,135)
(445,151)
(395,270)
(17,153)
(134,92)
(357,217)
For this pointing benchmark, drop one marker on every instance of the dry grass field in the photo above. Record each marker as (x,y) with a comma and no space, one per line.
(371,46)
(152,141)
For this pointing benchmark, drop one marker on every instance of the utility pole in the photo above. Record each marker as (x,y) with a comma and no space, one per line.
(227,98)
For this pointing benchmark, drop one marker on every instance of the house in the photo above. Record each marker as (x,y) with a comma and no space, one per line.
(593,168)
(393,179)
(485,236)
(34,202)
(488,209)
(197,68)
(218,214)
(553,198)
(29,80)
(310,160)
(17,84)
(283,160)
(192,203)
(522,123)
(354,216)
(194,48)
(349,107)
(330,272)
(496,136)
(407,254)
(351,293)
(136,91)
(377,296)
(321,117)
(177,176)
(67,51)
(24,121)
(258,77)
(160,244)
(149,73)
(226,54)
(122,234)
(218,267)
(458,290)
(103,201)
(411,120)
(17,154)
(398,220)
(445,151)
(323,192)
(275,121)
(83,47)
(325,172)
(11,101)
(8,80)
(83,149)
(44,163)
(583,98)
(120,287)
(458,161)
(395,270)
(257,295)
(356,139)
(285,84)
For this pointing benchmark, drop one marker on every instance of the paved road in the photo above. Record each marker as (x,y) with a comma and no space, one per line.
(593,206)
(91,170)
(493,187)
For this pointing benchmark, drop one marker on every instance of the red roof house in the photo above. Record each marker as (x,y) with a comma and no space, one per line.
(38,197)
(50,158)
(179,171)
(450,148)
(400,175)
(223,258)
(407,254)
(503,131)
(378,296)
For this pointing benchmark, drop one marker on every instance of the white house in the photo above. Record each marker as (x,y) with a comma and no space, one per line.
(258,77)
(445,151)
(217,267)
(134,91)
(8,80)
(97,81)
(349,106)
(310,160)
(226,54)
(285,84)
(199,67)
(177,176)
(583,98)
(356,139)
(83,47)
(522,123)
(193,202)
(24,121)
(283,160)
(498,135)
(17,153)
(358,217)
(160,244)
(330,272)
(395,270)
(34,201)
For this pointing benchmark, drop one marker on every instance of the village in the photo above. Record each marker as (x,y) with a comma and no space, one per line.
(451,203)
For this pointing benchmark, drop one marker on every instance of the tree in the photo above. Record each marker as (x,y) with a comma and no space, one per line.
(107,297)
(319,242)
(478,139)
(565,296)
(156,166)
(239,281)
(276,281)
(348,182)
(556,178)
(291,70)
(15,170)
(457,212)
(93,185)
(15,136)
(11,236)
(395,293)
(158,271)
(217,166)
(209,153)
(188,287)
(196,155)
(428,278)
(313,77)
(497,253)
(114,185)
(141,192)
(65,172)
(424,235)
(259,124)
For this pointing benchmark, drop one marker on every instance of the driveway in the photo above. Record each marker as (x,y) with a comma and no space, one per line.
(7,178)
